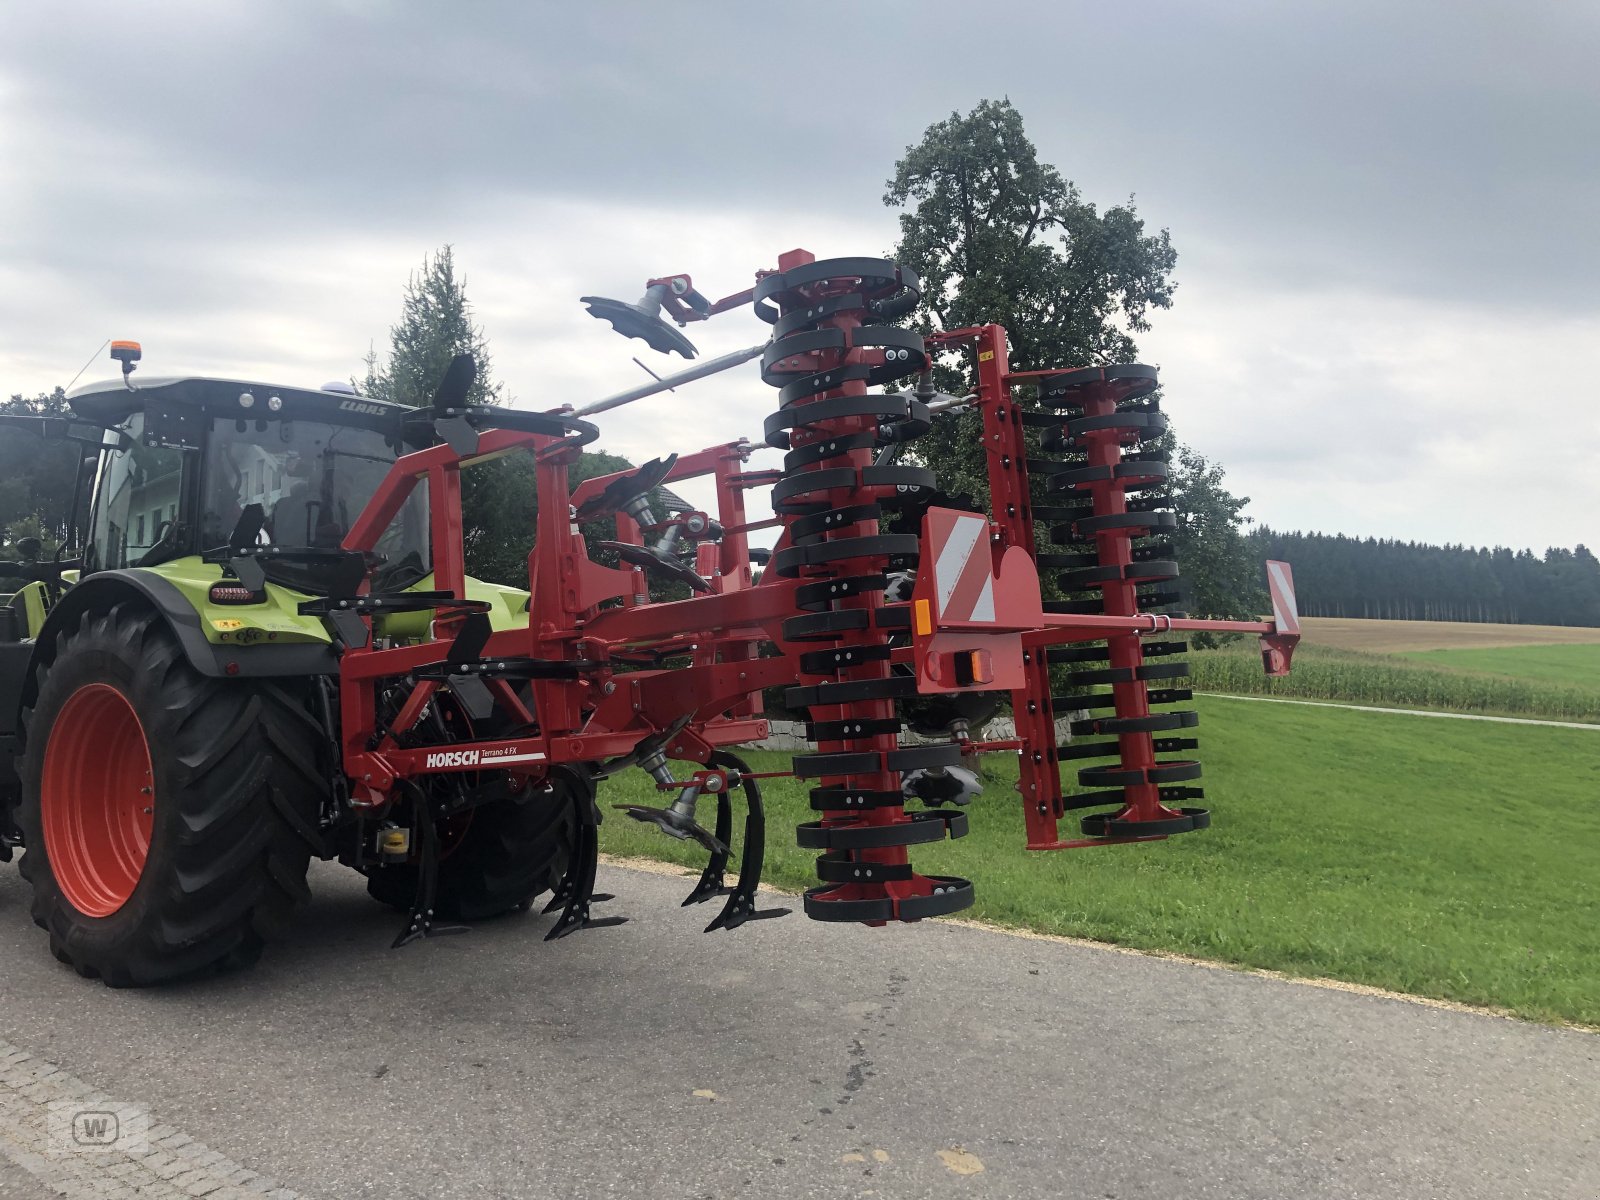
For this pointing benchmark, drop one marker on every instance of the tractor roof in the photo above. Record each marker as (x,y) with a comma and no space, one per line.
(110,402)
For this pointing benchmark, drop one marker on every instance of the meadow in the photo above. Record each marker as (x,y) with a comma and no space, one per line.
(1459,860)
(1576,666)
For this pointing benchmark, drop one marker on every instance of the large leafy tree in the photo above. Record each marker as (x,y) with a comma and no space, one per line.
(498,498)
(999,236)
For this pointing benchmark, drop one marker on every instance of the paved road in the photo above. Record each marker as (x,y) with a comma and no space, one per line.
(789,1059)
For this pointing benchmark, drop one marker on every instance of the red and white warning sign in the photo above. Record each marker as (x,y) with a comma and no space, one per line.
(1280,582)
(968,609)
(963,568)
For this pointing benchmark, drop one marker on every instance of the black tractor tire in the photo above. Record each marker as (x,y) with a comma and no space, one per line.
(235,782)
(508,854)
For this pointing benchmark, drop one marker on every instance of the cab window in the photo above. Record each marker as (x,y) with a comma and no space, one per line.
(137,494)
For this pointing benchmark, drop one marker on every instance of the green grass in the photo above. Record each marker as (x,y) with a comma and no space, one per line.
(1565,666)
(1427,681)
(1459,860)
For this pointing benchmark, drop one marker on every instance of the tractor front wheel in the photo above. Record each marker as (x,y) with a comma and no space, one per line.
(168,816)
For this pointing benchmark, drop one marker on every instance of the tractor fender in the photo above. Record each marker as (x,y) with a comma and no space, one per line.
(105,589)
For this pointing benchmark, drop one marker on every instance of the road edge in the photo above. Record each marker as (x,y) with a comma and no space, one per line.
(652,866)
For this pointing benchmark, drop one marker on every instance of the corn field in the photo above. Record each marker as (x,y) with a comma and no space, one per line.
(1344,675)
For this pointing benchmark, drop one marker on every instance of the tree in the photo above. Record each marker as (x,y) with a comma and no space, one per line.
(1221,570)
(1340,576)
(36,476)
(435,325)
(499,498)
(998,236)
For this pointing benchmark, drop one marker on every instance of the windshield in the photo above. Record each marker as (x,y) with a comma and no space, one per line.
(311,480)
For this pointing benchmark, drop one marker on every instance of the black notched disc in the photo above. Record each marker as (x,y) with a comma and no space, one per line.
(632,321)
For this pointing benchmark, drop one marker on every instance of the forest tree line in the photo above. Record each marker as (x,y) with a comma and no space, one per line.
(1340,576)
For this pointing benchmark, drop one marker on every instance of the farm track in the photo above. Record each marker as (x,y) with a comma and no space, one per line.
(1400,637)
(792,1059)
(1407,712)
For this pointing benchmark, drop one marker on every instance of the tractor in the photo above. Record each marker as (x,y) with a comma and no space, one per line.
(263,647)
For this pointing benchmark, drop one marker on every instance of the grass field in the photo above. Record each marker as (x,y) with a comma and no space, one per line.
(1400,637)
(1564,666)
(1446,859)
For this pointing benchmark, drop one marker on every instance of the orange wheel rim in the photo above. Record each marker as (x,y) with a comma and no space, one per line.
(97,799)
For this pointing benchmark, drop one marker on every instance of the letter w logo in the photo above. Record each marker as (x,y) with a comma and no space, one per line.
(95,1129)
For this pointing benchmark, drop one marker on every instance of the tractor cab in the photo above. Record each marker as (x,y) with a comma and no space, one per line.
(215,467)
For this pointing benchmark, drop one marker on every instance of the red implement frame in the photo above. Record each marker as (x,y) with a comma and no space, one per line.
(601,712)
(607,667)
(1009,634)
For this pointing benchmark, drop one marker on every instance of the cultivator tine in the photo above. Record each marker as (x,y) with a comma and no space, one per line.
(419,922)
(576,891)
(713,881)
(741,904)
(563,893)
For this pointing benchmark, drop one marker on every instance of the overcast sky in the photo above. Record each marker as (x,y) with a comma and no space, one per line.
(1388,314)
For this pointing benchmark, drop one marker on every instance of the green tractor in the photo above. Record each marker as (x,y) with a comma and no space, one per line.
(168,717)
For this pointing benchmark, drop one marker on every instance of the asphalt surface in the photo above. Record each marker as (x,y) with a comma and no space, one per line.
(789,1059)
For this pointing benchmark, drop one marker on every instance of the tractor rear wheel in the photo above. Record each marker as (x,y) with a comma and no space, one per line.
(168,816)
(496,857)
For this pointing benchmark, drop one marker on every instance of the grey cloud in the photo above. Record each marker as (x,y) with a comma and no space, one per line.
(248,186)
(1406,147)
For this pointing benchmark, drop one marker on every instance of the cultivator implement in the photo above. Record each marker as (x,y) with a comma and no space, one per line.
(298,559)
(882,606)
